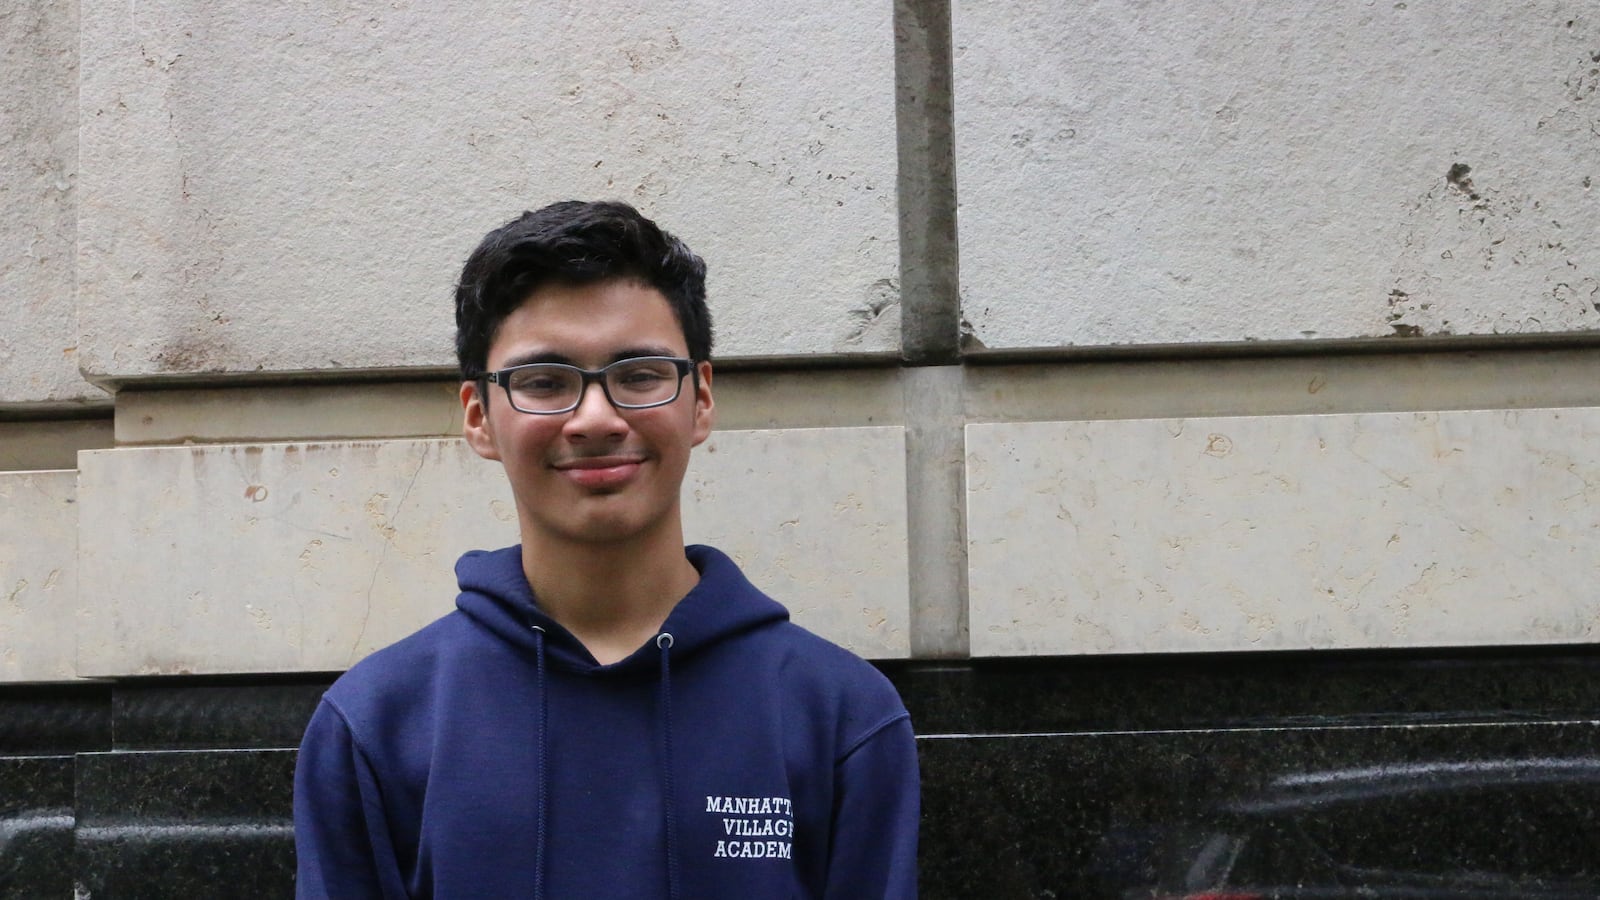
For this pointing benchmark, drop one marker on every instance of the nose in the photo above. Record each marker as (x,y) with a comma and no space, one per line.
(595,417)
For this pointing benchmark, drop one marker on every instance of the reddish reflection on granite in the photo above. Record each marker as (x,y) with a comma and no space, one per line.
(1487,810)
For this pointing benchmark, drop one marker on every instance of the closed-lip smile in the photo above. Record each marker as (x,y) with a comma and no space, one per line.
(598,462)
(600,472)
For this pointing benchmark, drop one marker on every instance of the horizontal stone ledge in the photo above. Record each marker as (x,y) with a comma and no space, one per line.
(367,410)
(31,445)
(759,397)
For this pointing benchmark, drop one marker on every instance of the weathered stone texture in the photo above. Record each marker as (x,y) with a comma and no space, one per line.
(817,518)
(307,180)
(304,557)
(38,168)
(1230,172)
(38,575)
(1285,532)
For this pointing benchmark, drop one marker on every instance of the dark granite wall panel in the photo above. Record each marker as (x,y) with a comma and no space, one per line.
(1514,808)
(54,719)
(186,824)
(177,715)
(1092,778)
(1043,695)
(36,826)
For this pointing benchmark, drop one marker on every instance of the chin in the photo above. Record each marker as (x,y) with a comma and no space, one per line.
(605,529)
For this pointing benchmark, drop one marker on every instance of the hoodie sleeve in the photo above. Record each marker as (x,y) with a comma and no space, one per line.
(342,846)
(876,810)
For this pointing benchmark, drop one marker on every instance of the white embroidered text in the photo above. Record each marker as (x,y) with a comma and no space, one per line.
(753,817)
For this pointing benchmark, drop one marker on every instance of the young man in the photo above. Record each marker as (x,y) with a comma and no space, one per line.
(607,713)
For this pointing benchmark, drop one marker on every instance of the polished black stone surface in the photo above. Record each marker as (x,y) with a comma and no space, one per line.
(186,824)
(1103,777)
(1044,694)
(168,714)
(36,826)
(1513,808)
(38,720)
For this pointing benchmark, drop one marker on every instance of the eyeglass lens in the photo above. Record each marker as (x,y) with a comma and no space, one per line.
(647,381)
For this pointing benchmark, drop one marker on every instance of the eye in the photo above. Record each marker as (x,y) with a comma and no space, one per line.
(642,381)
(641,376)
(540,381)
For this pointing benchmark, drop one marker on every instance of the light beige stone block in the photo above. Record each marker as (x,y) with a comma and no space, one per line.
(274,557)
(1288,532)
(39,609)
(1221,172)
(817,518)
(305,557)
(38,208)
(307,181)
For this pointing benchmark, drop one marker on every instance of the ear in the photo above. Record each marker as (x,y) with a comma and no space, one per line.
(475,421)
(705,409)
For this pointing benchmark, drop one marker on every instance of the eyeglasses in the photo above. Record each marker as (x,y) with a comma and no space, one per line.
(547,389)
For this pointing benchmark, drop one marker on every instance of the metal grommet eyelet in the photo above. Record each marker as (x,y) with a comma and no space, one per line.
(664,640)
(538,628)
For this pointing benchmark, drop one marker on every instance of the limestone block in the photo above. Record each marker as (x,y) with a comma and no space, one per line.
(38,575)
(1288,532)
(295,188)
(39,162)
(275,557)
(817,518)
(306,557)
(1222,172)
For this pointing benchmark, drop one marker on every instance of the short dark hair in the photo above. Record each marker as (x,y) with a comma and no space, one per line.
(574,242)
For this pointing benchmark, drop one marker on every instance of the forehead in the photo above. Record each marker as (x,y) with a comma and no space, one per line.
(588,322)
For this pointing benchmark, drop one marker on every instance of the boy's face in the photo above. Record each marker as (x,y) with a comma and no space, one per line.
(596,474)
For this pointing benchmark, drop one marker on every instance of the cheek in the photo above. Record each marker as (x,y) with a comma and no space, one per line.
(523,443)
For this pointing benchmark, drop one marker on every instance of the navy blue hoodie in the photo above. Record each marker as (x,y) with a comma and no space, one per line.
(736,755)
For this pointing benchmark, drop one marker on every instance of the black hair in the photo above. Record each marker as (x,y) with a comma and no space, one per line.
(574,243)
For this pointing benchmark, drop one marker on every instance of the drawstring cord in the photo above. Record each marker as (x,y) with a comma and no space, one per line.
(544,722)
(664,641)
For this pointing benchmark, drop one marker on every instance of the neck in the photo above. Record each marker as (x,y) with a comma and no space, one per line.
(612,597)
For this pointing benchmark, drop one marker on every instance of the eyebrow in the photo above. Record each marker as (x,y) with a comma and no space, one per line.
(545,356)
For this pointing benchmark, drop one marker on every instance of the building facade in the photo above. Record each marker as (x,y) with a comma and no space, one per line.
(1173,399)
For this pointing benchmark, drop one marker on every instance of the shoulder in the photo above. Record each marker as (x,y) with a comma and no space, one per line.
(400,679)
(728,611)
(828,680)
(809,653)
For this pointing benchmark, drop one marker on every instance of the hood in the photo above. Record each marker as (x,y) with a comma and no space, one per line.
(495,593)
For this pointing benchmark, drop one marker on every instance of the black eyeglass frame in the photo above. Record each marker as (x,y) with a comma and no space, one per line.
(683,364)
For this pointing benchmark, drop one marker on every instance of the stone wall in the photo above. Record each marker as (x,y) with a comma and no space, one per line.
(1106,306)
(1090,330)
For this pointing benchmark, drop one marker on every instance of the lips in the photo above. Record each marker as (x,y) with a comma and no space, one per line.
(598,472)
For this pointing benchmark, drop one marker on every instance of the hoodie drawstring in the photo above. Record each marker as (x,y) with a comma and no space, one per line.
(664,641)
(669,807)
(543,782)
